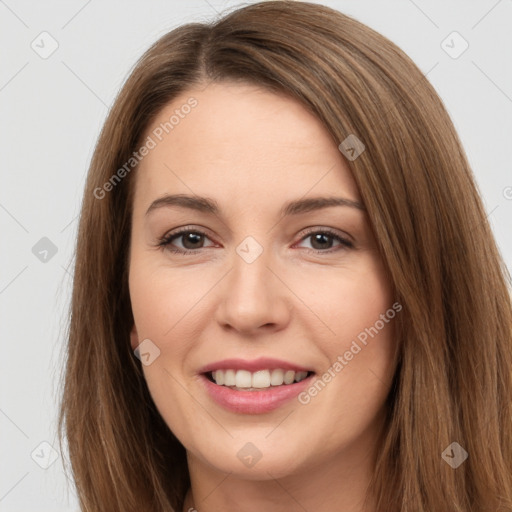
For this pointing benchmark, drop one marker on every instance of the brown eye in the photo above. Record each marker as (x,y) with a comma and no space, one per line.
(323,241)
(191,241)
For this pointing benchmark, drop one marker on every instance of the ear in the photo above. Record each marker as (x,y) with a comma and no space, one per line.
(134,338)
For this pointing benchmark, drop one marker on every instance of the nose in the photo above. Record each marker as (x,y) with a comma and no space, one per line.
(252,298)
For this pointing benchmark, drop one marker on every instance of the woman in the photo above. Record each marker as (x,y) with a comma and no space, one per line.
(286,294)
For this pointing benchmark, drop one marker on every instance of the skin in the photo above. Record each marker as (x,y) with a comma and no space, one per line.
(252,151)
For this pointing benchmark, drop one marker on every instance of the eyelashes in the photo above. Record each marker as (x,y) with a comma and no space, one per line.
(166,241)
(319,235)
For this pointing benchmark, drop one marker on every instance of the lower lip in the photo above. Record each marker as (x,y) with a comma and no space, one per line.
(254,402)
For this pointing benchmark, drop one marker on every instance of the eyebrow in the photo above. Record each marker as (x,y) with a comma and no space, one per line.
(207,205)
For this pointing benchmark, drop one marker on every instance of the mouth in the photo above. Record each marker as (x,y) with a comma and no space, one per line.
(254,387)
(261,380)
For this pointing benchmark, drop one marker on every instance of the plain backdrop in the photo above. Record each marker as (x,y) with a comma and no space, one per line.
(52,107)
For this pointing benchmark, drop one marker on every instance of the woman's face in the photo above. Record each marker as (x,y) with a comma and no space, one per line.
(264,277)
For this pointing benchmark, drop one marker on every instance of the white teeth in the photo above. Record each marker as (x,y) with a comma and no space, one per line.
(300,376)
(289,377)
(244,379)
(229,377)
(261,379)
(277,377)
(218,377)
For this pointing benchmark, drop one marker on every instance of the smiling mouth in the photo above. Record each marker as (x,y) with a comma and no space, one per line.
(244,380)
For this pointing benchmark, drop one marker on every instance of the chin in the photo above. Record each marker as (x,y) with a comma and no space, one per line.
(250,462)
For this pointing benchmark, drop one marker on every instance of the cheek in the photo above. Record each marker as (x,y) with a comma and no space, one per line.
(161,299)
(165,310)
(356,335)
(169,308)
(347,301)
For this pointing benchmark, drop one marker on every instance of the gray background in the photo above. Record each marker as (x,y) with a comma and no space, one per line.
(52,110)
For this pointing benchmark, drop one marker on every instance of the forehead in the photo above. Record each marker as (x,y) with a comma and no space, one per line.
(241,140)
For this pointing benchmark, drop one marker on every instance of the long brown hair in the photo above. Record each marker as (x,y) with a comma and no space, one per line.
(453,381)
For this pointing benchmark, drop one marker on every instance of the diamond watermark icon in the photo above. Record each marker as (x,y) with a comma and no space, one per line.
(351,147)
(147,352)
(44,45)
(44,250)
(44,455)
(454,455)
(249,249)
(249,455)
(454,45)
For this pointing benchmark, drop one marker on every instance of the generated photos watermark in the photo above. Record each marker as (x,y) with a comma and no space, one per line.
(152,140)
(344,359)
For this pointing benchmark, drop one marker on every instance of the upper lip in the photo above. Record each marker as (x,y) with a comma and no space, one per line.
(262,363)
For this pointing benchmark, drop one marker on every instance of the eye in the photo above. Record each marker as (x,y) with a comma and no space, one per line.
(191,241)
(322,240)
